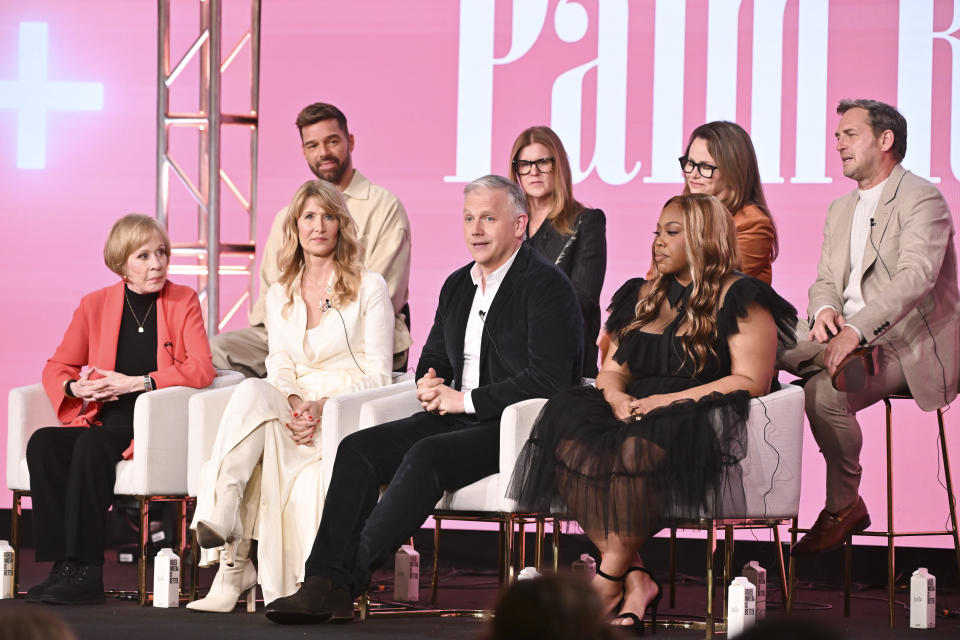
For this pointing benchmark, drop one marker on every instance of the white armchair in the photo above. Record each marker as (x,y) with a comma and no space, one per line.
(157,472)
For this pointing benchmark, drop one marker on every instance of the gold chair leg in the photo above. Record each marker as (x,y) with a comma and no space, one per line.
(194,567)
(557,530)
(522,544)
(711,547)
(15,513)
(673,567)
(506,548)
(780,565)
(891,591)
(364,605)
(538,545)
(435,578)
(951,500)
(180,539)
(144,537)
(727,569)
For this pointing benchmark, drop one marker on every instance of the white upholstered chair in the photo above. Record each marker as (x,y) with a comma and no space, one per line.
(157,472)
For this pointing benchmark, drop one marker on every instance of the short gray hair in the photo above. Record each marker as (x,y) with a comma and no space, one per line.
(515,195)
(882,117)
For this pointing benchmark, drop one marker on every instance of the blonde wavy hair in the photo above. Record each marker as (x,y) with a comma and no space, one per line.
(347,255)
(711,249)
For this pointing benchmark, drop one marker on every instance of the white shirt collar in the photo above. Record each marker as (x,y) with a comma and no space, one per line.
(497,276)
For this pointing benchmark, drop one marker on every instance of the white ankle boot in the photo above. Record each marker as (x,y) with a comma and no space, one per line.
(224,528)
(230,583)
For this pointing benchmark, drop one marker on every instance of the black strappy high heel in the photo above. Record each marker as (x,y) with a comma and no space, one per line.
(623,591)
(638,628)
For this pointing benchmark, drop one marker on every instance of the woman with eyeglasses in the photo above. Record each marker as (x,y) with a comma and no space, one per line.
(720,161)
(560,228)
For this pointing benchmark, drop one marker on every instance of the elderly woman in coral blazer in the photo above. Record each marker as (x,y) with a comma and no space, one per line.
(140,334)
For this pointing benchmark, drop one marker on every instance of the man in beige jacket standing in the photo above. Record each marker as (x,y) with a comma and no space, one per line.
(887,278)
(383,229)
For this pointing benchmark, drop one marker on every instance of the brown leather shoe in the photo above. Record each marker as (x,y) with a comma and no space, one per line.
(831,530)
(852,372)
(317,601)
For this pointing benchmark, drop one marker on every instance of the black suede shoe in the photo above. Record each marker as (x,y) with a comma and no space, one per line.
(35,593)
(81,584)
(317,601)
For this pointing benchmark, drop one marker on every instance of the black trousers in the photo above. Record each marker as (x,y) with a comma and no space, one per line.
(72,473)
(420,457)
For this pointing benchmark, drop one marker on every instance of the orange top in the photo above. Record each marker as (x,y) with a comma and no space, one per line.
(754,239)
(183,352)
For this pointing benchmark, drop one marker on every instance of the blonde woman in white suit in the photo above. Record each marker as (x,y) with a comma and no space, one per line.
(330,330)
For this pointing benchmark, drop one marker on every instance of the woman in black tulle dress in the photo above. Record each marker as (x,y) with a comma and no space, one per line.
(662,433)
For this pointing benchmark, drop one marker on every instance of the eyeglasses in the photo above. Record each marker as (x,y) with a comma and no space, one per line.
(704,169)
(523,167)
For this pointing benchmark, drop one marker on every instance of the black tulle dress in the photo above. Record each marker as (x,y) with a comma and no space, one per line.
(632,478)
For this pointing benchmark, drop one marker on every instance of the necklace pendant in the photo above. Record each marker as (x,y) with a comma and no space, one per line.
(139,329)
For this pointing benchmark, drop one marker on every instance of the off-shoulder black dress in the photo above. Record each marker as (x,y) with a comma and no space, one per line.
(630,478)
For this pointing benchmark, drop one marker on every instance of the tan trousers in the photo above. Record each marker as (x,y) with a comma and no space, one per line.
(244,350)
(833,414)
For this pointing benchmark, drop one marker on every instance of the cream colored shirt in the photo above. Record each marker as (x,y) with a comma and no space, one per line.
(384,231)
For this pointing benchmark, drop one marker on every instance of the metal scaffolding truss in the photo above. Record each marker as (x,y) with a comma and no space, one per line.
(204,255)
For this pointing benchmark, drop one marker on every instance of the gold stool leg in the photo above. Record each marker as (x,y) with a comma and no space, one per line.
(792,571)
(435,578)
(847,574)
(951,500)
(780,565)
(711,547)
(144,537)
(891,590)
(15,514)
(673,567)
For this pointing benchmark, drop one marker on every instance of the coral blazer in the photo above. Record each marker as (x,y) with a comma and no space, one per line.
(183,351)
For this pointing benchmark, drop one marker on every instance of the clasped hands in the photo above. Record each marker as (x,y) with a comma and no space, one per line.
(304,419)
(831,327)
(436,397)
(626,407)
(107,388)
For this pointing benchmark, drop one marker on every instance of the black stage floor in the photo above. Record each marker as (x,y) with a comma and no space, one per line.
(463,590)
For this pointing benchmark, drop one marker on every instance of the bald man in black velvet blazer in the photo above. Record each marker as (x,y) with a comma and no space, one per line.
(508,328)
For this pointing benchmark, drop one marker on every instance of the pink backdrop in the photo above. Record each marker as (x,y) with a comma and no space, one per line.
(435,93)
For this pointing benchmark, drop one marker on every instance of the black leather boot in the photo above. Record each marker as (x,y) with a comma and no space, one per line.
(82,584)
(317,601)
(35,593)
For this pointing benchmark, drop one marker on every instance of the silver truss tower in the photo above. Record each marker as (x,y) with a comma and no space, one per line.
(207,257)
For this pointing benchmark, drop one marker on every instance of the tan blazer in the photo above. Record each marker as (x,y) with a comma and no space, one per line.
(909,282)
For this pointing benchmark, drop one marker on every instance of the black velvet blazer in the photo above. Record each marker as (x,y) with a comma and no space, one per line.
(531,342)
(583,257)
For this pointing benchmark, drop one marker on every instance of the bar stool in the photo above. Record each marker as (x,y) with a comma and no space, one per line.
(890,533)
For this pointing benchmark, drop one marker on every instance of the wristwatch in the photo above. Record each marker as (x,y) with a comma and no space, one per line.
(148,383)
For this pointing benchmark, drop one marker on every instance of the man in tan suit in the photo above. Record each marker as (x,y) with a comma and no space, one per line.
(887,278)
(383,229)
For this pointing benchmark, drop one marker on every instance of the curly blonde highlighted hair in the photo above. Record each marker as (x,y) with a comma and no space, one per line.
(711,249)
(347,255)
